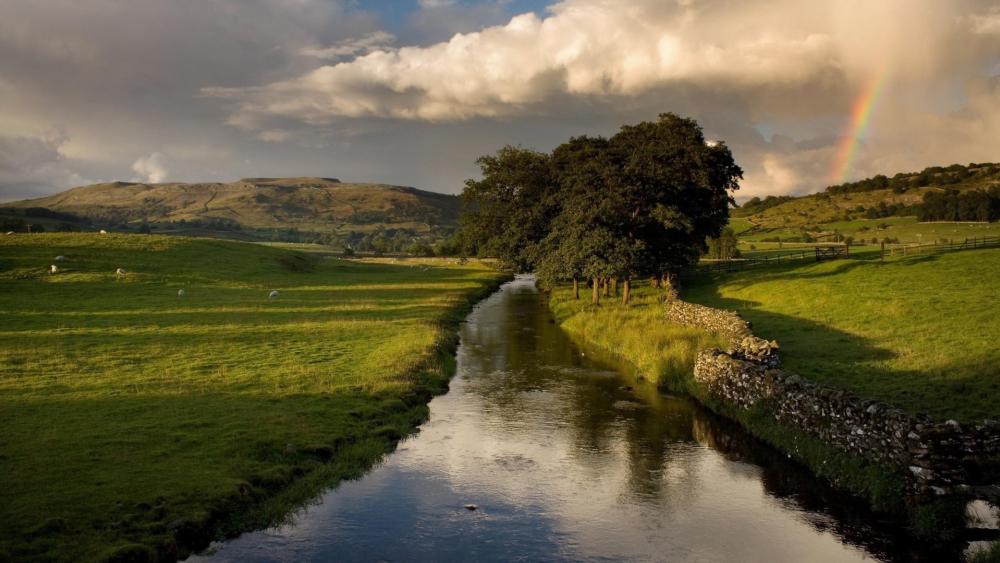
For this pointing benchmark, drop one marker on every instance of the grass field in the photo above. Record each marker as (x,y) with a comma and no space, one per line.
(130,415)
(636,334)
(919,332)
(904,229)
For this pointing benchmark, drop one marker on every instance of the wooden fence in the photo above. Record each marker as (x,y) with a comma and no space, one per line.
(740,264)
(909,249)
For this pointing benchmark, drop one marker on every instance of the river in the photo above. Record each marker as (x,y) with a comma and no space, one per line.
(565,457)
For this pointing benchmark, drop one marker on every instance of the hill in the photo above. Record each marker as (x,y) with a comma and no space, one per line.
(878,207)
(253,205)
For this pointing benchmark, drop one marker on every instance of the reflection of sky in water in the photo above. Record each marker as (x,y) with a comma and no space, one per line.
(563,462)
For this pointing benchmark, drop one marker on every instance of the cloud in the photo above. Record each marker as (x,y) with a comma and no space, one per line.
(30,162)
(430,4)
(375,41)
(585,48)
(152,168)
(986,23)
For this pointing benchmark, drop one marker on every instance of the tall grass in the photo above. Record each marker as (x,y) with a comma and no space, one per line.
(638,333)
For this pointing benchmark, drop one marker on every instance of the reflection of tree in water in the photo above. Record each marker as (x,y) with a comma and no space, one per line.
(531,378)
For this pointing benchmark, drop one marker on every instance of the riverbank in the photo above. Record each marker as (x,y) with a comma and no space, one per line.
(882,485)
(139,422)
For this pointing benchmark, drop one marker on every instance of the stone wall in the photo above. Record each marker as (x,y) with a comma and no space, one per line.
(936,457)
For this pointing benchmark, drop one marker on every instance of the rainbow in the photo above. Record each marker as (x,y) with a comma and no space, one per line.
(861,113)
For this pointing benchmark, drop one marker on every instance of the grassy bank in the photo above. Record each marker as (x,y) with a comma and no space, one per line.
(919,333)
(130,415)
(661,352)
(665,353)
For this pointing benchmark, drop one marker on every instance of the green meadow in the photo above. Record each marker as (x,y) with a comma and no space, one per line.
(918,332)
(637,334)
(131,415)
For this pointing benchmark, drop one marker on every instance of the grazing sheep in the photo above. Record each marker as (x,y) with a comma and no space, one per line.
(53,269)
(60,258)
(120,273)
(181,293)
(103,232)
(273,295)
(10,232)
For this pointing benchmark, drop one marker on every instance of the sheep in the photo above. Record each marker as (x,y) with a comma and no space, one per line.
(10,232)
(273,295)
(53,269)
(103,232)
(120,273)
(181,293)
(60,258)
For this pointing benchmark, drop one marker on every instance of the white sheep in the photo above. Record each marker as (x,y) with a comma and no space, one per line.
(273,295)
(53,269)
(120,273)
(60,258)
(103,232)
(10,232)
(181,293)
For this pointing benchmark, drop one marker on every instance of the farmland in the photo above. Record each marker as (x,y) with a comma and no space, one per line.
(130,413)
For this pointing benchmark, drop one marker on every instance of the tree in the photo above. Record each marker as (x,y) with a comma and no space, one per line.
(641,203)
(506,213)
(673,191)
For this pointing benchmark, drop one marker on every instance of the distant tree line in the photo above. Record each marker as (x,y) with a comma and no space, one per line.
(607,210)
(954,205)
(931,176)
(755,204)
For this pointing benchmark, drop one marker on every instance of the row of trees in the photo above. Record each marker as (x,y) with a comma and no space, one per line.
(641,203)
(930,176)
(953,205)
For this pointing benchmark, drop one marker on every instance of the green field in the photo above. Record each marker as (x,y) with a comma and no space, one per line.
(637,334)
(129,414)
(918,332)
(903,229)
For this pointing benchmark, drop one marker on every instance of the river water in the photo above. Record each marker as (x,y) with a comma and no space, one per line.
(568,458)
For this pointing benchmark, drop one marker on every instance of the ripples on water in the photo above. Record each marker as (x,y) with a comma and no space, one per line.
(567,458)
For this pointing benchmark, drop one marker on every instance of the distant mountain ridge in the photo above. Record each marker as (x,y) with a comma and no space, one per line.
(308,204)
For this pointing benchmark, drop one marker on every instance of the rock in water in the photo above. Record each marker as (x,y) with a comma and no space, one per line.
(471,507)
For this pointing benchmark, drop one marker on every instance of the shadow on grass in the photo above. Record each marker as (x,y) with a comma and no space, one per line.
(207,464)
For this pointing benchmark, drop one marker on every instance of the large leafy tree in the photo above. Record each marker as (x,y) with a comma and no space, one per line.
(675,190)
(506,213)
(640,203)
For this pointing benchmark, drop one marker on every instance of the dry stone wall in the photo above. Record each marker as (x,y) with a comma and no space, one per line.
(936,457)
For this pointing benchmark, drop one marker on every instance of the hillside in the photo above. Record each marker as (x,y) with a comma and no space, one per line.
(878,207)
(315,205)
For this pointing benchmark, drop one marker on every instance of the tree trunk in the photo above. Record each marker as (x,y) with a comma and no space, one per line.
(576,288)
(606,287)
(626,291)
(614,287)
(595,296)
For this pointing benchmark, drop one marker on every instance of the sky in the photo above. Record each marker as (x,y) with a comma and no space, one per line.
(411,92)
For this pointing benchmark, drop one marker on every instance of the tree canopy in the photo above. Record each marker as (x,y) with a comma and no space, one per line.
(641,203)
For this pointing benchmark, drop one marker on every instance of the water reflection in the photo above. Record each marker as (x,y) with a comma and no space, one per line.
(569,459)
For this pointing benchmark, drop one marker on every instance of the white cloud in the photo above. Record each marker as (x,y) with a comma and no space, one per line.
(585,48)
(375,41)
(987,23)
(430,4)
(151,168)
(274,135)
